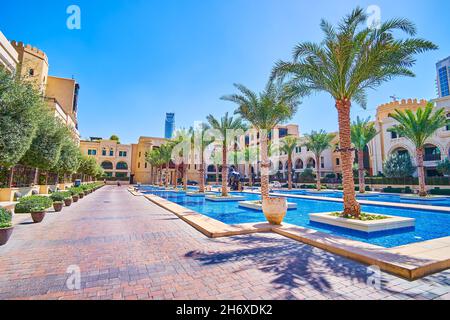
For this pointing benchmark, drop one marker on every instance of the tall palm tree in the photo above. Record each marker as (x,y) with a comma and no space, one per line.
(183,138)
(153,158)
(225,125)
(418,127)
(202,141)
(288,146)
(352,59)
(250,157)
(362,132)
(216,158)
(165,152)
(265,111)
(317,143)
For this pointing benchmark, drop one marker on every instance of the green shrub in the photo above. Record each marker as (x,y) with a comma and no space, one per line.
(5,218)
(406,190)
(75,191)
(60,196)
(440,192)
(33,204)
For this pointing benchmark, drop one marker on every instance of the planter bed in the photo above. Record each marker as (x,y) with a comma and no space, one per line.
(224,199)
(388,223)
(425,199)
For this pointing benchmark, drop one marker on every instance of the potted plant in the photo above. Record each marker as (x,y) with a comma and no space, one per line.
(275,209)
(68,199)
(58,200)
(6,228)
(35,205)
(75,191)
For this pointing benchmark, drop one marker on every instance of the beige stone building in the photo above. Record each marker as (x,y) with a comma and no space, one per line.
(141,169)
(113,157)
(387,143)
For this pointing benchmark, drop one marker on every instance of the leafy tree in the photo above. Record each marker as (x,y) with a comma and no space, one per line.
(69,159)
(184,139)
(153,157)
(46,146)
(265,111)
(115,138)
(20,105)
(288,146)
(418,128)
(362,132)
(444,167)
(202,141)
(317,143)
(225,125)
(88,166)
(352,58)
(165,154)
(398,166)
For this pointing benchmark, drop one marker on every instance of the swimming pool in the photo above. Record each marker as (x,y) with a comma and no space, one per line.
(429,225)
(382,197)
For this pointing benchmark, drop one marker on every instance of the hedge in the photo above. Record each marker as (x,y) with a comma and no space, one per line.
(33,203)
(5,218)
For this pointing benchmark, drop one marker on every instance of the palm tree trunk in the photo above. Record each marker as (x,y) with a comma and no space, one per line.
(421,173)
(217,174)
(362,182)
(224,172)
(185,177)
(265,166)
(351,206)
(250,175)
(202,174)
(167,174)
(318,178)
(176,176)
(290,172)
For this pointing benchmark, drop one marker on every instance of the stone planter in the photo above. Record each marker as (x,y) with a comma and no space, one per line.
(38,216)
(5,234)
(81,195)
(68,202)
(75,198)
(275,210)
(58,206)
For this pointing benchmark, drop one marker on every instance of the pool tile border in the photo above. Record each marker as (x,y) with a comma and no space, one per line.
(410,262)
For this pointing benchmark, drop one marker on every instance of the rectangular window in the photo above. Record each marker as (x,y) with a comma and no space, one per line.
(394,135)
(92,152)
(338,161)
(139,165)
(146,165)
(111,153)
(140,154)
(122,154)
(322,163)
(104,152)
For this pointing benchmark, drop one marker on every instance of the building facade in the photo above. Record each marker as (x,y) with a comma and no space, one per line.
(387,143)
(142,171)
(443,77)
(114,158)
(9,58)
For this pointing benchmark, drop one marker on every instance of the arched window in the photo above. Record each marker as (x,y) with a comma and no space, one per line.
(432,153)
(122,166)
(299,164)
(280,166)
(311,163)
(211,168)
(107,165)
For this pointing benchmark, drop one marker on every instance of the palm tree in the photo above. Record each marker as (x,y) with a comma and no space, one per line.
(165,152)
(225,125)
(216,158)
(183,138)
(153,157)
(352,59)
(317,143)
(418,127)
(250,156)
(202,141)
(362,132)
(265,111)
(288,146)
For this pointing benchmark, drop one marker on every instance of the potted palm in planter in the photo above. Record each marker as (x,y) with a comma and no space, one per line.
(6,228)
(265,111)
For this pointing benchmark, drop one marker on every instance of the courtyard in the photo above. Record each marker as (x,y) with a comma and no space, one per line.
(126,247)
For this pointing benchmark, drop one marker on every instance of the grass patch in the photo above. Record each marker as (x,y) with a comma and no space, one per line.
(362,217)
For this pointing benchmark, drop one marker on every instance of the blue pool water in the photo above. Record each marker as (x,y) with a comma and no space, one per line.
(429,225)
(441,201)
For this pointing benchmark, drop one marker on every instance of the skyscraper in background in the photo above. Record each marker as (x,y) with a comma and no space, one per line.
(170,125)
(443,77)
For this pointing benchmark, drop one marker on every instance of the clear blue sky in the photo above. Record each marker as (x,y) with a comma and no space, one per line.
(137,59)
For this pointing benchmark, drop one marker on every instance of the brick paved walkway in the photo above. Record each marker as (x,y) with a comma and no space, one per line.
(128,248)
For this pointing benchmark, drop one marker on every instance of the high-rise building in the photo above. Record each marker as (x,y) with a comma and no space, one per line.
(443,77)
(170,125)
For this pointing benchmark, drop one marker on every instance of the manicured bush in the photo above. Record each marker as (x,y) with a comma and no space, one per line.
(60,196)
(33,204)
(5,218)
(440,192)
(75,191)
(406,190)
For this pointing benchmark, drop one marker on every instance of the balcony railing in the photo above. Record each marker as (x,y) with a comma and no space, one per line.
(432,157)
